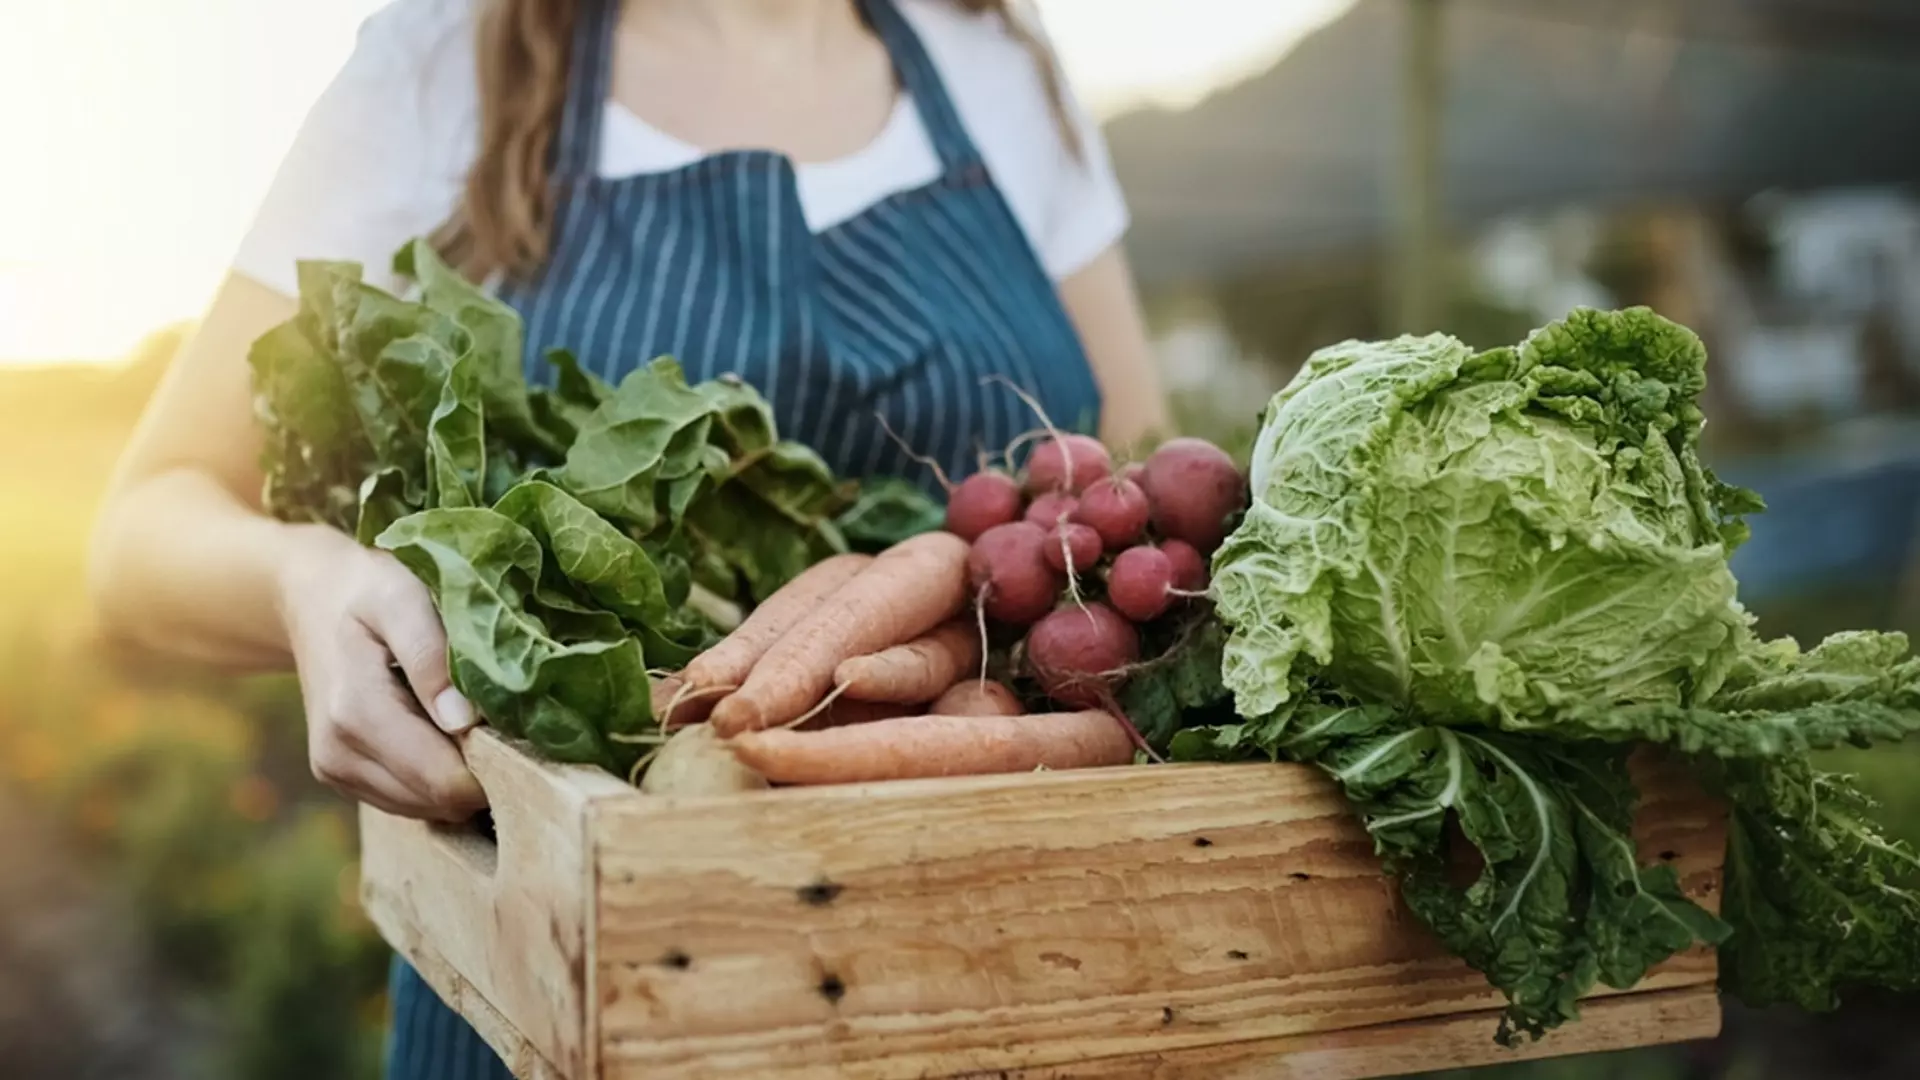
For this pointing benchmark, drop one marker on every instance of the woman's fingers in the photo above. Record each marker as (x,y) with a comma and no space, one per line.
(365,781)
(368,740)
(403,617)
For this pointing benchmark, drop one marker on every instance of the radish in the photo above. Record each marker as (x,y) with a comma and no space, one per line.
(1135,471)
(1116,509)
(1067,463)
(1010,575)
(1193,487)
(1052,508)
(1070,541)
(1139,582)
(980,502)
(1079,653)
(1189,566)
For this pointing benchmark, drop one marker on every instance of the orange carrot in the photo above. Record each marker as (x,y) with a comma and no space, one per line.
(724,667)
(922,746)
(915,672)
(906,591)
(977,697)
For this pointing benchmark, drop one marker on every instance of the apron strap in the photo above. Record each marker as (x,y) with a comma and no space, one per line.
(576,152)
(921,79)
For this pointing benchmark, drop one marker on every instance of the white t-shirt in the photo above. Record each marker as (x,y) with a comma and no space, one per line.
(383,155)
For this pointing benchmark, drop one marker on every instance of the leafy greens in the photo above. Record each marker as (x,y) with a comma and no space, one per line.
(573,537)
(1470,584)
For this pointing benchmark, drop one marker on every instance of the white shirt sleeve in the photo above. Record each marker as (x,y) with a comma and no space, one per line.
(1087,214)
(1070,207)
(378,159)
(1085,211)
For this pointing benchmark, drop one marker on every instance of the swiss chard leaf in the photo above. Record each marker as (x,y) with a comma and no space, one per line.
(653,428)
(559,530)
(887,512)
(483,569)
(1180,687)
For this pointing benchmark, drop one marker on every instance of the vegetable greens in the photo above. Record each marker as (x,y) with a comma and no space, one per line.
(572,537)
(1470,584)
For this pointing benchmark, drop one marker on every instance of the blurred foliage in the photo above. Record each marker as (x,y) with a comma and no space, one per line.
(188,796)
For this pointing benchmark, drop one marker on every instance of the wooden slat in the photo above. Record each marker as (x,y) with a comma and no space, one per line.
(502,933)
(1615,1023)
(934,928)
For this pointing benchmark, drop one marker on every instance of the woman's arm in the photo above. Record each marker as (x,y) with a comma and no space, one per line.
(1105,308)
(185,563)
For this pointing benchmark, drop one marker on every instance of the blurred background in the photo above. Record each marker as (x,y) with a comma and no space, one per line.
(178,895)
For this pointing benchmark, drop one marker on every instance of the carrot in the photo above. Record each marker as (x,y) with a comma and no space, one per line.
(912,747)
(906,591)
(915,672)
(977,697)
(724,667)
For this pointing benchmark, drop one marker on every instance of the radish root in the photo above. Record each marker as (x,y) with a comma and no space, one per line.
(688,693)
(1045,420)
(980,617)
(1073,576)
(939,473)
(646,759)
(825,704)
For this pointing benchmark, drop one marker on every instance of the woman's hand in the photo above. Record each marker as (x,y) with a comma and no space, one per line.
(352,614)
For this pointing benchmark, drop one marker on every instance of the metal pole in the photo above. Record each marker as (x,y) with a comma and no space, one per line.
(1418,297)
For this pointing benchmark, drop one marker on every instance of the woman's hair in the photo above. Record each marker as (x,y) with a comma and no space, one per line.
(505,218)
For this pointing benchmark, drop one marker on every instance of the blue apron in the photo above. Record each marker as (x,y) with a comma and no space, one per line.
(917,310)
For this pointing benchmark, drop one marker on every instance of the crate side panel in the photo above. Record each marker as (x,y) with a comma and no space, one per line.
(499,929)
(925,929)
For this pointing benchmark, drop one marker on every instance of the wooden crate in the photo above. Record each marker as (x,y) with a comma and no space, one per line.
(1159,922)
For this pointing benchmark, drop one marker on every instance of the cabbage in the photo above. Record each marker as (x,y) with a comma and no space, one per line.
(1488,536)
(1468,586)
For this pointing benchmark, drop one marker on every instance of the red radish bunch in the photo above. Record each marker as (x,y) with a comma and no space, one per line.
(1079,555)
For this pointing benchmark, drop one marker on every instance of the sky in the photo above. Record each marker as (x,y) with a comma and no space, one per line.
(139,136)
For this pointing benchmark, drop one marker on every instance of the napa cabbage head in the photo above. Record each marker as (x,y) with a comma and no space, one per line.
(1487,537)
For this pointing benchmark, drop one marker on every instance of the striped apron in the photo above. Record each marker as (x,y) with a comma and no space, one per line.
(917,310)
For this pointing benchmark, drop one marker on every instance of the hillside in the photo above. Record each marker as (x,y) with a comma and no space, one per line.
(1550,101)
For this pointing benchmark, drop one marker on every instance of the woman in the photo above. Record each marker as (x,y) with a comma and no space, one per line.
(860,206)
